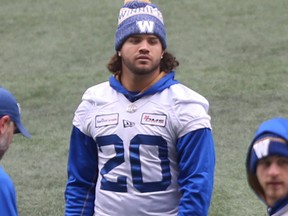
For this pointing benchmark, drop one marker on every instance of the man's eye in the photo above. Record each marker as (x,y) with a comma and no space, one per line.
(153,41)
(134,40)
(265,163)
(283,162)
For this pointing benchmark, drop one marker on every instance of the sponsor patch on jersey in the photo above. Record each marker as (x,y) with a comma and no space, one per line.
(106,120)
(153,119)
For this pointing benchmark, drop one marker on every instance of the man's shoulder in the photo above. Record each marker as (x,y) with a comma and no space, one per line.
(5,179)
(96,91)
(99,86)
(182,93)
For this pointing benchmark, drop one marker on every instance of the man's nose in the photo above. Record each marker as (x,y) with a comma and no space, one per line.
(274,169)
(144,47)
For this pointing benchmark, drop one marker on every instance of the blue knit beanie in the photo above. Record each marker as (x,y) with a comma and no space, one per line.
(265,146)
(139,17)
(271,138)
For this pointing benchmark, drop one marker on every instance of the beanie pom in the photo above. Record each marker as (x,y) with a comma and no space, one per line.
(147,1)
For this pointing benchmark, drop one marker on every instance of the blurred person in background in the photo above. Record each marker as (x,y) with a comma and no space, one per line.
(10,123)
(267,165)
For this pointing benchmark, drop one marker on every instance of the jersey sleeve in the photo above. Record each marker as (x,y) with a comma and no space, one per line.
(196,163)
(82,168)
(195,151)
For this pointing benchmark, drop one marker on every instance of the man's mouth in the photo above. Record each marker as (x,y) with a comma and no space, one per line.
(274,184)
(143,57)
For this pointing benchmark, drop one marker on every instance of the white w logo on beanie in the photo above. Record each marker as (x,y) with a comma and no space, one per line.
(146,26)
(261,148)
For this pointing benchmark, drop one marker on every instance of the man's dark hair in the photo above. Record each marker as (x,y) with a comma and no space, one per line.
(167,64)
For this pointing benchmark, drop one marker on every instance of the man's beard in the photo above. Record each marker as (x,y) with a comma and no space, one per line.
(4,145)
(141,70)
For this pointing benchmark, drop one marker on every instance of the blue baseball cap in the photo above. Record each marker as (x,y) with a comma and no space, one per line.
(9,106)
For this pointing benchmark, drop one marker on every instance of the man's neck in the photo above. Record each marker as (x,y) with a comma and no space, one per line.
(139,83)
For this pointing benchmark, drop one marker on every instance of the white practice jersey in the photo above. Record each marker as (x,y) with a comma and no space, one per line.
(143,133)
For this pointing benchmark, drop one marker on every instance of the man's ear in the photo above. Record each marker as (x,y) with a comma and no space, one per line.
(4,121)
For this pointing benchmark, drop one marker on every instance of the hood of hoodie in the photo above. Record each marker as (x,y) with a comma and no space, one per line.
(275,127)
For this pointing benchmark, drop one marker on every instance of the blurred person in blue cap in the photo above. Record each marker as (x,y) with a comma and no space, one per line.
(10,123)
(267,165)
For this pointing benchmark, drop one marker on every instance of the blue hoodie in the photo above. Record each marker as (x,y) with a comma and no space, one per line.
(278,128)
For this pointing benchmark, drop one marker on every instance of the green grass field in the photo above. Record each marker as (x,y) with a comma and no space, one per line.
(232,52)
